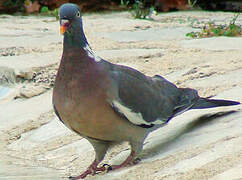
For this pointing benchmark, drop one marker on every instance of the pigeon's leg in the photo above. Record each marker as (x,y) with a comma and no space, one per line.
(130,160)
(92,169)
(100,148)
(136,148)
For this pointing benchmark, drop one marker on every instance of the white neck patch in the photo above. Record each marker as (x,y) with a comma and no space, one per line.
(91,54)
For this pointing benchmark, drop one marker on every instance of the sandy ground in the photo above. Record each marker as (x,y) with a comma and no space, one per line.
(199,144)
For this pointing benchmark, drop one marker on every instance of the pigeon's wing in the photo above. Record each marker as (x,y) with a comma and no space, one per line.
(145,100)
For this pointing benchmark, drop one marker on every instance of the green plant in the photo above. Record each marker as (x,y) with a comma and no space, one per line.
(234,18)
(16,4)
(124,3)
(211,29)
(192,4)
(139,11)
(45,11)
(55,13)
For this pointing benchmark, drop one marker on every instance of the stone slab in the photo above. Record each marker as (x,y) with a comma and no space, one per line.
(118,53)
(214,43)
(20,111)
(30,60)
(45,133)
(154,34)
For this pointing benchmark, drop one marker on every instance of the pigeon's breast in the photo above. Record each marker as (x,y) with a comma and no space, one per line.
(80,95)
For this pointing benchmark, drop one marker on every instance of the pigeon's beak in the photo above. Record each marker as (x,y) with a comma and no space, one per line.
(64,24)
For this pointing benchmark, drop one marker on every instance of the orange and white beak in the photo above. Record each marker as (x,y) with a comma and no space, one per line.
(64,24)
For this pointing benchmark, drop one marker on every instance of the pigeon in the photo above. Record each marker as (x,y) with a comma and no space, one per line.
(108,103)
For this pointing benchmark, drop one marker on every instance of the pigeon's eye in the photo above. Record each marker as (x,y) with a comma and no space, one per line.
(78,14)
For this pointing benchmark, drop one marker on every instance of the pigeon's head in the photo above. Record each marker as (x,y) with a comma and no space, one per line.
(70,18)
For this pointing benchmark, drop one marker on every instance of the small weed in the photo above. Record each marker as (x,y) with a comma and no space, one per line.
(45,11)
(192,4)
(55,13)
(124,3)
(139,11)
(211,29)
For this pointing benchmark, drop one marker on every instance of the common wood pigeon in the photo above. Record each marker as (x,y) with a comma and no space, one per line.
(108,103)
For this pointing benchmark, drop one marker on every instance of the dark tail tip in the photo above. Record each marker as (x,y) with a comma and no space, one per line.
(210,103)
(224,102)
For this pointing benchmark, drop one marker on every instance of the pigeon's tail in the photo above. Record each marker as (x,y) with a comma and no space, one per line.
(203,103)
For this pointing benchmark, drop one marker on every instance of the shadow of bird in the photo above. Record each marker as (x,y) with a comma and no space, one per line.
(197,123)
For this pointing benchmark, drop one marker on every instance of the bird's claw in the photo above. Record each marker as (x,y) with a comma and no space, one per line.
(109,167)
(71,178)
(131,160)
(92,170)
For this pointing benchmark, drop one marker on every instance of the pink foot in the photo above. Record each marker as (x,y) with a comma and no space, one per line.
(131,160)
(92,169)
